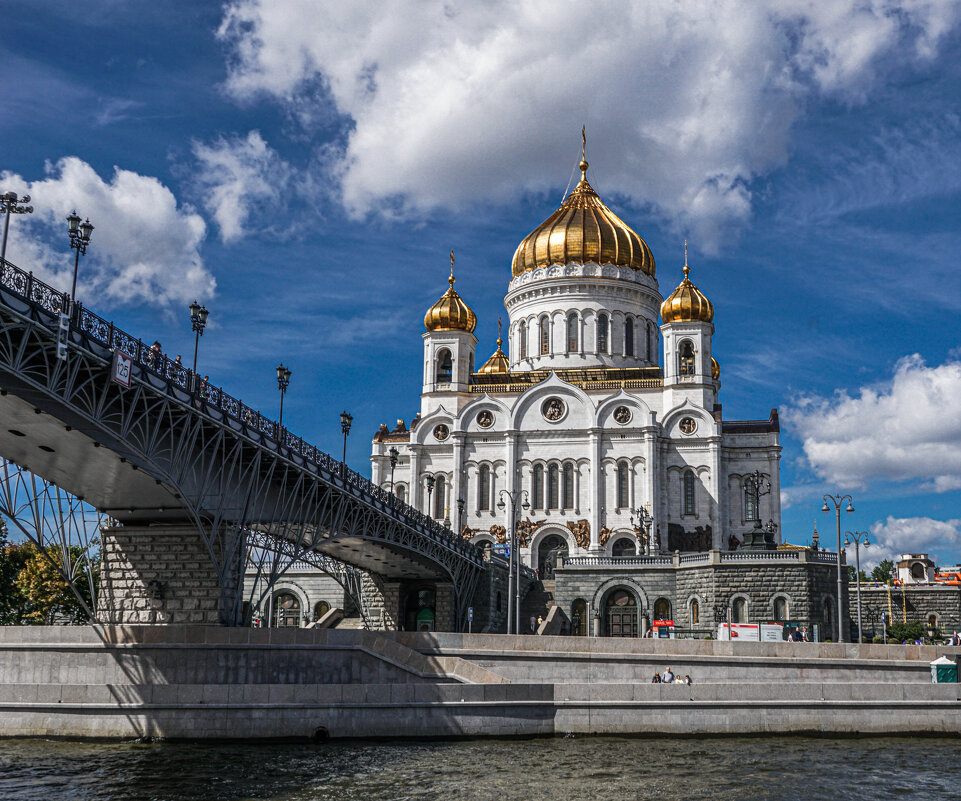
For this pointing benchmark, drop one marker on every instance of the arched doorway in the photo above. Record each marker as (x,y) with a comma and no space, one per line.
(623,547)
(620,614)
(579,618)
(420,609)
(662,609)
(321,608)
(285,611)
(549,553)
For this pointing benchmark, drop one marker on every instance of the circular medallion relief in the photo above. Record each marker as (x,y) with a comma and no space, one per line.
(622,415)
(553,409)
(485,419)
(441,432)
(688,425)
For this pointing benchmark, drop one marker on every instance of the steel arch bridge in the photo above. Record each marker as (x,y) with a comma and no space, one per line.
(172,448)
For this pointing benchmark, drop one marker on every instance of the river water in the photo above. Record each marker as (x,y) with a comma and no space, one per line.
(568,769)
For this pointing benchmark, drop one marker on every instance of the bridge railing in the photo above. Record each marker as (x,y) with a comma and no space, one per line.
(177,379)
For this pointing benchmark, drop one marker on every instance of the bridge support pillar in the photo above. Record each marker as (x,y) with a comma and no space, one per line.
(165,574)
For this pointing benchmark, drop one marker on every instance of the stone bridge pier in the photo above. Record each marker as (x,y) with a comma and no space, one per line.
(165,574)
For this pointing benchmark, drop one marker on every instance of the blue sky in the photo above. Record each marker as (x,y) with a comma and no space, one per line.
(303,168)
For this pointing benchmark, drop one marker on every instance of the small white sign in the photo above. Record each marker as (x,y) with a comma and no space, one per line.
(122,365)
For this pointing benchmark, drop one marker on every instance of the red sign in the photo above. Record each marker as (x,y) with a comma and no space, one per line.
(122,366)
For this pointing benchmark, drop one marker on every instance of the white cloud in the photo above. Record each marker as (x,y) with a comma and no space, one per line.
(939,538)
(144,248)
(237,177)
(909,430)
(453,102)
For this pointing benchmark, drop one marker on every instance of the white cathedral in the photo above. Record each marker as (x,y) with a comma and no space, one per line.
(607,423)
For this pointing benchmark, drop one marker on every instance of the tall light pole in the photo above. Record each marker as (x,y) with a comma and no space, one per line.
(198,322)
(644,520)
(283,381)
(460,515)
(837,500)
(859,538)
(345,421)
(430,489)
(514,564)
(393,453)
(79,239)
(10,205)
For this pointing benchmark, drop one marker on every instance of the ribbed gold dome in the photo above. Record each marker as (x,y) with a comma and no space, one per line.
(715,369)
(450,313)
(497,363)
(687,304)
(583,230)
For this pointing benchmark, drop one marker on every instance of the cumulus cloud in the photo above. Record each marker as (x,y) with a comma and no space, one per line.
(237,176)
(908,430)
(896,535)
(144,248)
(685,104)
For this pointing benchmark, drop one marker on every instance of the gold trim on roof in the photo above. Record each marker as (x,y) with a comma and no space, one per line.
(583,230)
(450,313)
(687,303)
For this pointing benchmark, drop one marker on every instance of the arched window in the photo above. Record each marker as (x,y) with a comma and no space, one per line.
(552,486)
(932,621)
(572,333)
(622,483)
(401,492)
(445,367)
(780,609)
(650,341)
(545,334)
(470,364)
(690,495)
(537,489)
(686,358)
(568,486)
(739,611)
(522,339)
(484,488)
(629,337)
(829,617)
(750,501)
(439,498)
(695,612)
(321,608)
(623,547)
(662,609)
(602,333)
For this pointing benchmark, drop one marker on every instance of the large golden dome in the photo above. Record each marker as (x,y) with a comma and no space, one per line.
(687,303)
(450,313)
(583,230)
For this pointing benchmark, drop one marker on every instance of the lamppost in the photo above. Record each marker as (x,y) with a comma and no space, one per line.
(198,322)
(79,239)
(460,515)
(9,205)
(283,381)
(513,582)
(345,421)
(859,538)
(430,490)
(393,453)
(837,500)
(644,521)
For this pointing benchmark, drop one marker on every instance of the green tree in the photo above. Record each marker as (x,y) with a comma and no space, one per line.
(884,572)
(33,590)
(9,568)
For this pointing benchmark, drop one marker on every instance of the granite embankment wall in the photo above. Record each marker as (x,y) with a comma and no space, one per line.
(211,682)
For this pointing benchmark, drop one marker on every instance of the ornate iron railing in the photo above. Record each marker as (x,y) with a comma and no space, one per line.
(210,398)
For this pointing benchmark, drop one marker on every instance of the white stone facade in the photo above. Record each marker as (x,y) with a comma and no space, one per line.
(599,416)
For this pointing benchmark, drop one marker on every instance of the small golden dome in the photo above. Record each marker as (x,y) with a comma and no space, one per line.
(583,230)
(715,369)
(687,303)
(498,362)
(450,313)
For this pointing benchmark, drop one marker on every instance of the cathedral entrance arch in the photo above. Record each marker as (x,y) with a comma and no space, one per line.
(550,551)
(620,613)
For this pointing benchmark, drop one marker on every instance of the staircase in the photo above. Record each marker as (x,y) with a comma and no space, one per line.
(537,602)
